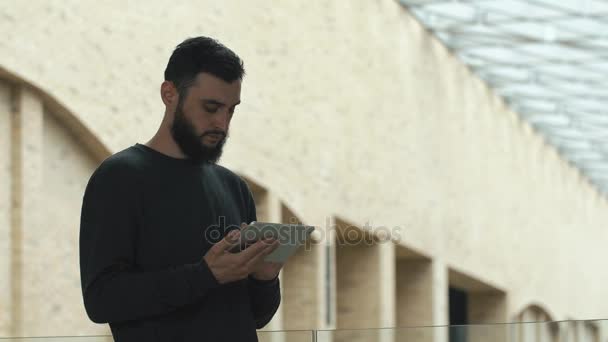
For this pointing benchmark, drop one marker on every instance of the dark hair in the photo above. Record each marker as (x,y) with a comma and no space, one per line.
(202,54)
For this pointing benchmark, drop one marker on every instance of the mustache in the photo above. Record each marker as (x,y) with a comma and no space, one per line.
(214,132)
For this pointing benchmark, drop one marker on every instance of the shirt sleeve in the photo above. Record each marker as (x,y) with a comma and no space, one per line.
(113,289)
(265,299)
(264,295)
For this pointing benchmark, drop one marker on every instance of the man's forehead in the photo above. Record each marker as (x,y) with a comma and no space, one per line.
(207,86)
(205,80)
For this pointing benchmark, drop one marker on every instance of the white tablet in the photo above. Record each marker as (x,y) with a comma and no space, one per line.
(290,237)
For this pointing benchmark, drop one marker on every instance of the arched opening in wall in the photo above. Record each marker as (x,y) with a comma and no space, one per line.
(584,331)
(415,284)
(46,158)
(580,331)
(592,331)
(472,301)
(536,325)
(364,282)
(573,330)
(569,331)
(302,277)
(70,122)
(267,208)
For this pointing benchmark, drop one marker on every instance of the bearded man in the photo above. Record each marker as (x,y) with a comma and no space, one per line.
(159,220)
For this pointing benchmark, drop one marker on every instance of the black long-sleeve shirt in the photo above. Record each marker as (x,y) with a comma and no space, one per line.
(147,221)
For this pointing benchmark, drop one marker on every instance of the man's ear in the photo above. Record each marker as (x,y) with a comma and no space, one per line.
(168,94)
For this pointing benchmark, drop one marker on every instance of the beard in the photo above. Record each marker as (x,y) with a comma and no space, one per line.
(191,143)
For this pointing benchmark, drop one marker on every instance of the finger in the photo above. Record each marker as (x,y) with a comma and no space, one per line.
(248,237)
(231,240)
(269,246)
(273,244)
(253,250)
(253,254)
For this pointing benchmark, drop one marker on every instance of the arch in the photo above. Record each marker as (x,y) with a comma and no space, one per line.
(536,323)
(46,157)
(538,310)
(61,112)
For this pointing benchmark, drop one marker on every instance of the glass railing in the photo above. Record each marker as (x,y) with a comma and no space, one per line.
(59,339)
(562,331)
(287,336)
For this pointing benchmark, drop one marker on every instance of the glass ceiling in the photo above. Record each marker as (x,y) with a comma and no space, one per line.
(547,58)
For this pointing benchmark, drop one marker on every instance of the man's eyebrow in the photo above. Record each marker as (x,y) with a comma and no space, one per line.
(216,102)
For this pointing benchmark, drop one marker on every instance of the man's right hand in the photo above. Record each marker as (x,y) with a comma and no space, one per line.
(227,266)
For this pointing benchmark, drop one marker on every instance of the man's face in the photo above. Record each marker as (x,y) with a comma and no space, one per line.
(202,118)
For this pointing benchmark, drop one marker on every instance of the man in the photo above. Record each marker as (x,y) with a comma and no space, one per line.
(159,220)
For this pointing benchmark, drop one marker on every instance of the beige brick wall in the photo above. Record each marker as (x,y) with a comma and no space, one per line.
(30,242)
(349,108)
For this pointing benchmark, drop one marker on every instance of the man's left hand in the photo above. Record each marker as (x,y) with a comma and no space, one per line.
(266,270)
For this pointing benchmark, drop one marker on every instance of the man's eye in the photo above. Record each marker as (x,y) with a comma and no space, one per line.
(211,109)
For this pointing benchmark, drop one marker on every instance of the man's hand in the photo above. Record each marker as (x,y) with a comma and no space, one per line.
(228,267)
(265,270)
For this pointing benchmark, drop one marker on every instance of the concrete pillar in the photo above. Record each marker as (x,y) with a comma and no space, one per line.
(602,330)
(545,328)
(388,290)
(273,210)
(364,300)
(422,290)
(6,115)
(440,285)
(562,332)
(591,331)
(581,331)
(31,305)
(569,332)
(544,332)
(527,329)
(326,277)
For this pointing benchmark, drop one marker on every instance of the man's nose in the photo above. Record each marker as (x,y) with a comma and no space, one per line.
(222,120)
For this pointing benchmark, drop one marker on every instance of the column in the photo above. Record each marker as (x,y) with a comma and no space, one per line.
(6,115)
(27,266)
